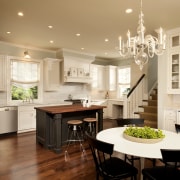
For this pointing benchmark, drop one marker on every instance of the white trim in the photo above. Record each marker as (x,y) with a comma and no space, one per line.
(26,47)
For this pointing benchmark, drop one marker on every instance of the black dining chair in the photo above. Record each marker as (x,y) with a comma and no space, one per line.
(169,171)
(109,167)
(177,127)
(130,122)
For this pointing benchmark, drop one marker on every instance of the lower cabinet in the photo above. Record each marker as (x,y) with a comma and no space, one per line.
(115,109)
(26,119)
(170,118)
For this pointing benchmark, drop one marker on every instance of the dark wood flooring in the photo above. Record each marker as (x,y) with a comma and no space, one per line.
(22,158)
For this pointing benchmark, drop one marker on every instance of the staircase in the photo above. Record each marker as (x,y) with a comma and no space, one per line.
(148,111)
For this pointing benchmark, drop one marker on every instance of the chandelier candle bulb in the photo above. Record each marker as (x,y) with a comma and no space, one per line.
(129,38)
(120,48)
(160,35)
(164,40)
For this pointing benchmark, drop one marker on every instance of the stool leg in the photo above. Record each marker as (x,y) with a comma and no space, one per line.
(74,137)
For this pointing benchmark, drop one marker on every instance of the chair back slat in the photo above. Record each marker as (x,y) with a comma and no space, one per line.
(170,156)
(130,121)
(177,127)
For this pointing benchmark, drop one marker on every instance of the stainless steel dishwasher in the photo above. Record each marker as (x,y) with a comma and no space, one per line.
(8,119)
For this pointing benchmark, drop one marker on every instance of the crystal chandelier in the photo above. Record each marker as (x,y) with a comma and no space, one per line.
(141,46)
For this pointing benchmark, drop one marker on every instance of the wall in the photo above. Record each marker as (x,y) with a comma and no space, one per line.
(75,89)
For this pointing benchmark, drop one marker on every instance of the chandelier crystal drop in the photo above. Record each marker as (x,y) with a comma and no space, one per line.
(141,47)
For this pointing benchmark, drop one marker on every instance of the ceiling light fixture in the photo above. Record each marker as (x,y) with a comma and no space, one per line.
(128,11)
(142,46)
(50,27)
(20,14)
(26,55)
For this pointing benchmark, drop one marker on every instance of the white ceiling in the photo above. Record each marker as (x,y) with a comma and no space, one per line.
(95,20)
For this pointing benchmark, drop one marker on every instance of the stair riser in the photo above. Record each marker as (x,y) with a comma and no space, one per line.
(154,96)
(152,117)
(150,109)
(152,103)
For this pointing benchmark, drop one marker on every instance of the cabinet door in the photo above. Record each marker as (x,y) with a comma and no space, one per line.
(175,40)
(170,117)
(98,77)
(26,118)
(2,73)
(51,74)
(174,73)
(111,78)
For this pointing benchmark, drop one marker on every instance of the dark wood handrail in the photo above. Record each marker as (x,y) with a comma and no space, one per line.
(134,87)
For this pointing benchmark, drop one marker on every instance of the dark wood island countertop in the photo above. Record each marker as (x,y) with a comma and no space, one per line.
(68,108)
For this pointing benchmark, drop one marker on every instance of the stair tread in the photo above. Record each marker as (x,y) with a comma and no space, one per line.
(148,113)
(148,106)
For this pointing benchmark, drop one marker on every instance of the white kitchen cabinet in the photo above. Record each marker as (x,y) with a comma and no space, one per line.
(98,77)
(52,74)
(111,78)
(3,72)
(174,62)
(26,118)
(115,109)
(104,77)
(170,117)
(76,66)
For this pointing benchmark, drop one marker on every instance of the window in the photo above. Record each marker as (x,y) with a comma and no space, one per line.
(124,80)
(25,78)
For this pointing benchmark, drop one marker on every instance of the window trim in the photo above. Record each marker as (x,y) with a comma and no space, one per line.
(9,81)
(125,84)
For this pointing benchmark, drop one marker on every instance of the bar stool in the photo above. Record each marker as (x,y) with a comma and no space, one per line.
(91,127)
(75,133)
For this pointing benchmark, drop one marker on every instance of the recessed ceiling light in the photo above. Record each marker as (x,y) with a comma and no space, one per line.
(20,14)
(8,32)
(78,34)
(82,48)
(51,41)
(105,53)
(50,27)
(129,11)
(106,40)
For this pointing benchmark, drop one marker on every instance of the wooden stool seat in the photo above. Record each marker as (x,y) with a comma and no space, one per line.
(90,119)
(74,122)
(90,125)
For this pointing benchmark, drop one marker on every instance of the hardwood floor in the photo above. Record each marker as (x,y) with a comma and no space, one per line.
(22,158)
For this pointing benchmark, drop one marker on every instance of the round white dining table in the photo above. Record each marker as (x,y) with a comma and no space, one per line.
(142,150)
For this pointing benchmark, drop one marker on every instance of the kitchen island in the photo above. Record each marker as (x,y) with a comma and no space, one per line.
(51,122)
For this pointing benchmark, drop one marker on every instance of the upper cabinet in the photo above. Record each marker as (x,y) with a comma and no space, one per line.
(76,66)
(3,72)
(174,62)
(98,77)
(52,74)
(111,78)
(104,77)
